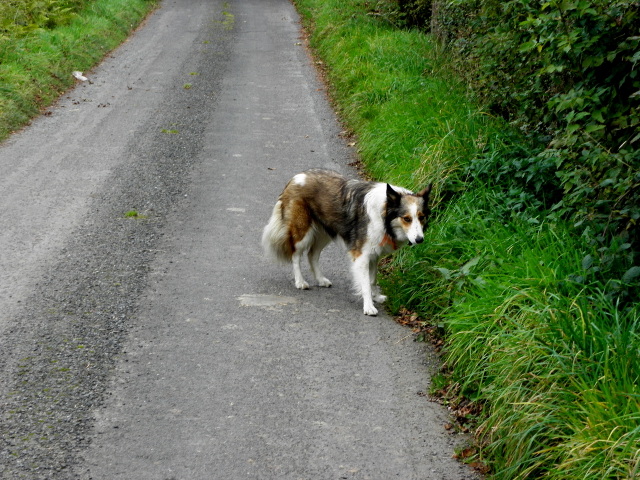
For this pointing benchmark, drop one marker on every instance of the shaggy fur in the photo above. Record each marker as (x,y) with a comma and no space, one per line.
(370,218)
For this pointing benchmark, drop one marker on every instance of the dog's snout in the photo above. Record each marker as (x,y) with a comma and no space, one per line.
(419,239)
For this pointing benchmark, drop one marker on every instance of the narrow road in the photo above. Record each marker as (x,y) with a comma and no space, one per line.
(142,334)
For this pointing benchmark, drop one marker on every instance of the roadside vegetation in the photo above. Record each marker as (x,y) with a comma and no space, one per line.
(43,41)
(526,117)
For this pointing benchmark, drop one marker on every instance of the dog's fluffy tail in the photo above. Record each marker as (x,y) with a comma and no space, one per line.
(275,237)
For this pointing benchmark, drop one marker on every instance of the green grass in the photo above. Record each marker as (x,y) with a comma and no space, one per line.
(550,355)
(412,121)
(534,331)
(36,66)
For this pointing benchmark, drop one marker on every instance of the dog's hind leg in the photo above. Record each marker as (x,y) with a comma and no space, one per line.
(321,241)
(300,248)
(299,280)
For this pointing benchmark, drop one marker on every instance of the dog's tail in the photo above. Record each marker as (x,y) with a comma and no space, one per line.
(276,239)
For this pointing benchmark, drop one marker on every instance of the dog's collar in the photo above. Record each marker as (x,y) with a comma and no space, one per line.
(387,240)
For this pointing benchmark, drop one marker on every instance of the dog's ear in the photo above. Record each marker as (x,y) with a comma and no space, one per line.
(393,197)
(425,193)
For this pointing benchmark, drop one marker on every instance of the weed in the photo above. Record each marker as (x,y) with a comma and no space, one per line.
(134,214)
(229,19)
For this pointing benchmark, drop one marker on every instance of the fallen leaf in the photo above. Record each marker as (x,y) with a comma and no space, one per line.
(467,452)
(480,467)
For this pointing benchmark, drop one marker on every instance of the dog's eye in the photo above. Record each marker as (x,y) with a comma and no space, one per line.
(406,219)
(421,218)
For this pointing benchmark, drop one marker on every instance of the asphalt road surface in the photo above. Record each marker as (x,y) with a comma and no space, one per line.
(142,334)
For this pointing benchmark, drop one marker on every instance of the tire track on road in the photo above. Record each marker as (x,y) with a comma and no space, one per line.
(58,353)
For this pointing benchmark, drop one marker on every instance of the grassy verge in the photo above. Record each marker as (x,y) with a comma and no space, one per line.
(412,121)
(36,66)
(535,333)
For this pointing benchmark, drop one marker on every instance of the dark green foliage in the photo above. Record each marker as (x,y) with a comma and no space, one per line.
(416,12)
(564,76)
(565,73)
(404,13)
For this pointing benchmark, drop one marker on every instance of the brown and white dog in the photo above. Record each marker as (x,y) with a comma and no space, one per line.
(371,218)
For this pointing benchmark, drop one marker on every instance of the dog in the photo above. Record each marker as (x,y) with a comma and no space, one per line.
(370,218)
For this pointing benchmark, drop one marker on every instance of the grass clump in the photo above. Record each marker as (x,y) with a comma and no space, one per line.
(541,320)
(134,214)
(37,58)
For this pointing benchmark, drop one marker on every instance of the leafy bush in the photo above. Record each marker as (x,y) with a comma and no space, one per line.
(565,73)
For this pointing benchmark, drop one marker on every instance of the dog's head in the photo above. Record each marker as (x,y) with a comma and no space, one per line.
(407,214)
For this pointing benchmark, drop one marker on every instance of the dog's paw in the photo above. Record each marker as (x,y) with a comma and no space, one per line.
(324,282)
(370,310)
(302,285)
(379,298)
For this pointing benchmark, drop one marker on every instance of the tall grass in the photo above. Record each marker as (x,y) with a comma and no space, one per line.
(553,358)
(533,333)
(36,65)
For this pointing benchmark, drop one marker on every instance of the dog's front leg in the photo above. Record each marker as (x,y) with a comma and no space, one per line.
(373,280)
(361,278)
